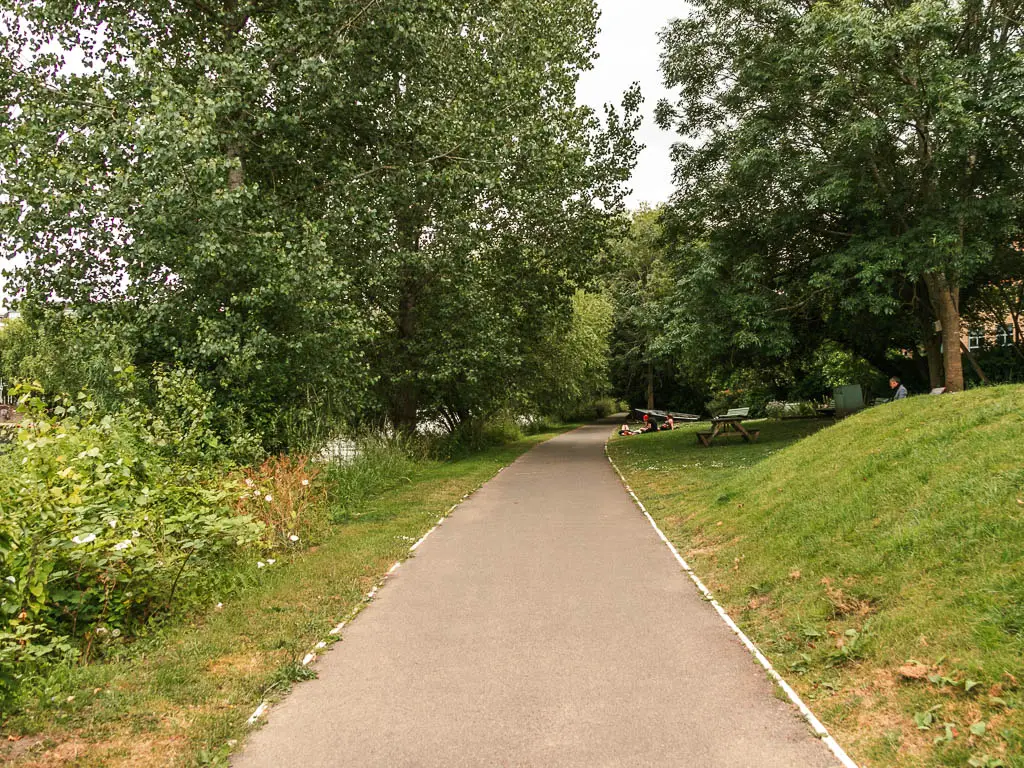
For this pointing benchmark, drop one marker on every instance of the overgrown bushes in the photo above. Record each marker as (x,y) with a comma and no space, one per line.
(105,525)
(111,519)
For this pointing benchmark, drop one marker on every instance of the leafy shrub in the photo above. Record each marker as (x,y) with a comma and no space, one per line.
(1002,365)
(103,527)
(755,398)
(67,352)
(837,367)
(776,409)
(182,420)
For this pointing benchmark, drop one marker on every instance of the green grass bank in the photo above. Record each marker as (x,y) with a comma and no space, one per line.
(182,695)
(879,563)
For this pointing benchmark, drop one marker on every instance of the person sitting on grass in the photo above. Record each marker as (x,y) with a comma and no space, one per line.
(900,391)
(669,424)
(625,430)
(650,426)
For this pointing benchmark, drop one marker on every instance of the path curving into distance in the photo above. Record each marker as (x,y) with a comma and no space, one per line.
(544,624)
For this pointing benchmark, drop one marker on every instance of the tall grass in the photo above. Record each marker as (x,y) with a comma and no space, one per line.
(380,465)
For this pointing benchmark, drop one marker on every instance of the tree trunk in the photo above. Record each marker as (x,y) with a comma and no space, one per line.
(945,300)
(405,391)
(236,174)
(933,351)
(405,397)
(404,405)
(974,364)
(650,386)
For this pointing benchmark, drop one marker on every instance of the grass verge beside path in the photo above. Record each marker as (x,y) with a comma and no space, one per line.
(182,697)
(879,563)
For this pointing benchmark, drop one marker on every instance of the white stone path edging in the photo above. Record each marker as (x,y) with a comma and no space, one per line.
(336,630)
(819,730)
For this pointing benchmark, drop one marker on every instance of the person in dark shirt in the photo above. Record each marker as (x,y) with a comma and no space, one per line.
(899,391)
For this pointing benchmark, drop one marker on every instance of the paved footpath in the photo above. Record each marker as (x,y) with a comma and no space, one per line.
(544,624)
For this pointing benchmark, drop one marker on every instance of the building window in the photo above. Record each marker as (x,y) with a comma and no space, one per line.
(975,338)
(1004,336)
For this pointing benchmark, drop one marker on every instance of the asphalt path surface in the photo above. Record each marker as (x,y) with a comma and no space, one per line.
(544,624)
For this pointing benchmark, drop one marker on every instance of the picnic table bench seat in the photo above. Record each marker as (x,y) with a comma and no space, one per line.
(729,423)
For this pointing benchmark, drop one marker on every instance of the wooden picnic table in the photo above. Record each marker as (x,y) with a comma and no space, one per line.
(731,422)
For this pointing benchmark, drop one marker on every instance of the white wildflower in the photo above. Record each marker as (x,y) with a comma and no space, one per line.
(268,497)
(112,523)
(271,561)
(12,580)
(101,630)
(305,482)
(135,534)
(293,537)
(84,538)
(219,607)
(261,564)
(123,544)
(248,482)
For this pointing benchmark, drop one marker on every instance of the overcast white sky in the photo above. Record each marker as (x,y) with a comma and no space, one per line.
(628,48)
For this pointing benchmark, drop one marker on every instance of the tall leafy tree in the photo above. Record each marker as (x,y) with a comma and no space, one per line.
(320,207)
(847,160)
(500,191)
(640,284)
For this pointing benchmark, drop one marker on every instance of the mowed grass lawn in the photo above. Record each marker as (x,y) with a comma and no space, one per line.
(879,563)
(182,696)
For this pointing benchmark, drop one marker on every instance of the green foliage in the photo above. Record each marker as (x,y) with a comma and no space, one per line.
(333,211)
(380,465)
(850,171)
(501,428)
(571,367)
(779,410)
(1002,365)
(104,526)
(68,353)
(639,286)
(835,366)
(742,389)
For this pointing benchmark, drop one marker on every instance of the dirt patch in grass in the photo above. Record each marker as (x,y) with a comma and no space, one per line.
(879,714)
(237,664)
(844,604)
(14,747)
(127,751)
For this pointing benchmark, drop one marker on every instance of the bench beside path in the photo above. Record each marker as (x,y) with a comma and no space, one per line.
(544,624)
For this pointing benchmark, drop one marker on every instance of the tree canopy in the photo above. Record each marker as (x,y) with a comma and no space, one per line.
(325,209)
(847,171)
